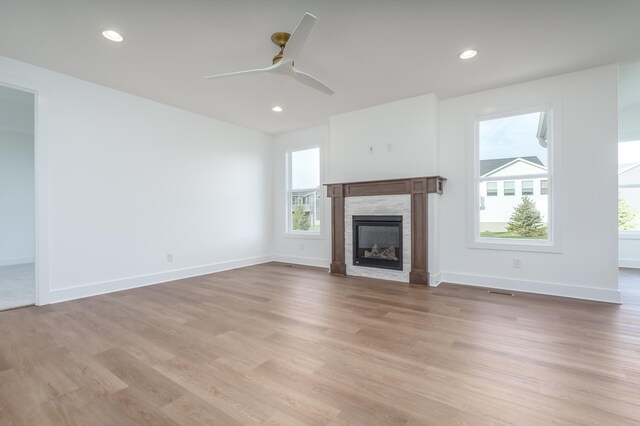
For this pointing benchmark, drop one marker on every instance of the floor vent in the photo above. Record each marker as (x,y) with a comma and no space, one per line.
(503,293)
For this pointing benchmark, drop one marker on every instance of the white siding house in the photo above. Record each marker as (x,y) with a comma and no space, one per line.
(498,198)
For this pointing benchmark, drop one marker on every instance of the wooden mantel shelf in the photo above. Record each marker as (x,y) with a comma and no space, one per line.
(417,187)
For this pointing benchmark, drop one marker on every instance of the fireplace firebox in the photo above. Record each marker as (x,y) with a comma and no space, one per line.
(377,241)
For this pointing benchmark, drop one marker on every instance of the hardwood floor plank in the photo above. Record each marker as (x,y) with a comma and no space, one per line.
(274,344)
(154,386)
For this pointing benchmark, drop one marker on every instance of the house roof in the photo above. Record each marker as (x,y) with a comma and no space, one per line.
(487,166)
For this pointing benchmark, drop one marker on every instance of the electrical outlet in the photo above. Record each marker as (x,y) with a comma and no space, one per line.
(169,257)
(517,263)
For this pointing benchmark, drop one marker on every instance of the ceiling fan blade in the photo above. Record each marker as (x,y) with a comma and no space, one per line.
(298,38)
(310,81)
(254,71)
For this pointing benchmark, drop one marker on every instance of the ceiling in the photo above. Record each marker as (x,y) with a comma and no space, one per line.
(368,51)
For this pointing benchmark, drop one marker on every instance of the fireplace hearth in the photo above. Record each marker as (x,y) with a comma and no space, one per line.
(377,241)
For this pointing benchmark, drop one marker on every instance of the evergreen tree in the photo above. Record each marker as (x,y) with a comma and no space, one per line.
(626,214)
(525,220)
(300,219)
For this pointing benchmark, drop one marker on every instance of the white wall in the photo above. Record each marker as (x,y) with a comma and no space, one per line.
(586,103)
(306,250)
(131,180)
(17,197)
(409,126)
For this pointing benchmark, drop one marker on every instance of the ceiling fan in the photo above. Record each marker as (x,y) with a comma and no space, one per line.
(290,47)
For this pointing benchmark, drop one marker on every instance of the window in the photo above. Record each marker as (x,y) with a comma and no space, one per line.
(509,187)
(629,187)
(513,151)
(544,187)
(304,193)
(492,189)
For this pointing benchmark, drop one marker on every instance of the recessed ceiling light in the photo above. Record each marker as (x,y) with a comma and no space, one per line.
(113,35)
(276,109)
(468,54)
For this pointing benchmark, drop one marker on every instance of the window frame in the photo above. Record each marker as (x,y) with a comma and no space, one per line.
(288,190)
(553,243)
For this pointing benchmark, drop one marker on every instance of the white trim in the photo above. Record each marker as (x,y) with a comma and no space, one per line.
(629,235)
(42,225)
(300,260)
(304,235)
(94,289)
(629,263)
(553,176)
(536,287)
(8,261)
(435,279)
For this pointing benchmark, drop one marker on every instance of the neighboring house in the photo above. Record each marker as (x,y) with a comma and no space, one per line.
(309,202)
(498,198)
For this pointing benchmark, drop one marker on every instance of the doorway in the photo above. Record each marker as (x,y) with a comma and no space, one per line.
(17,198)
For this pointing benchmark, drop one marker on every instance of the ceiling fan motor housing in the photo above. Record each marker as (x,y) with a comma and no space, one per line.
(280,39)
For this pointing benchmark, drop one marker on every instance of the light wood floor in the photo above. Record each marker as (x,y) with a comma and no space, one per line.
(272,344)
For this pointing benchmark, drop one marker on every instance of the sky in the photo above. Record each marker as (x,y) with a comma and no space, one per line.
(509,137)
(305,169)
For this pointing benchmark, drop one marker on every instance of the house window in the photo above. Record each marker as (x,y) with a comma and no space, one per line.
(629,189)
(513,149)
(544,187)
(492,189)
(304,191)
(509,187)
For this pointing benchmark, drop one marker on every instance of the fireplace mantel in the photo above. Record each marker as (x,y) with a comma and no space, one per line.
(417,187)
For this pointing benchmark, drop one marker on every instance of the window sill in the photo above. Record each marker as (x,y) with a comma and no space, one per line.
(305,235)
(515,245)
(629,235)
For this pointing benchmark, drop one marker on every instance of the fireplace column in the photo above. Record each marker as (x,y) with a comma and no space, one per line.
(336,193)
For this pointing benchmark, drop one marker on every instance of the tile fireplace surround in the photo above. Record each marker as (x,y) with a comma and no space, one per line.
(414,207)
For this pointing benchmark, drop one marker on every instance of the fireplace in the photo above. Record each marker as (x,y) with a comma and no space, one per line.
(377,241)
(415,252)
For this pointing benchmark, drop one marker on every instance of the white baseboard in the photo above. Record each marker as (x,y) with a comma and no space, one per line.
(629,263)
(8,261)
(435,279)
(94,289)
(299,260)
(538,287)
